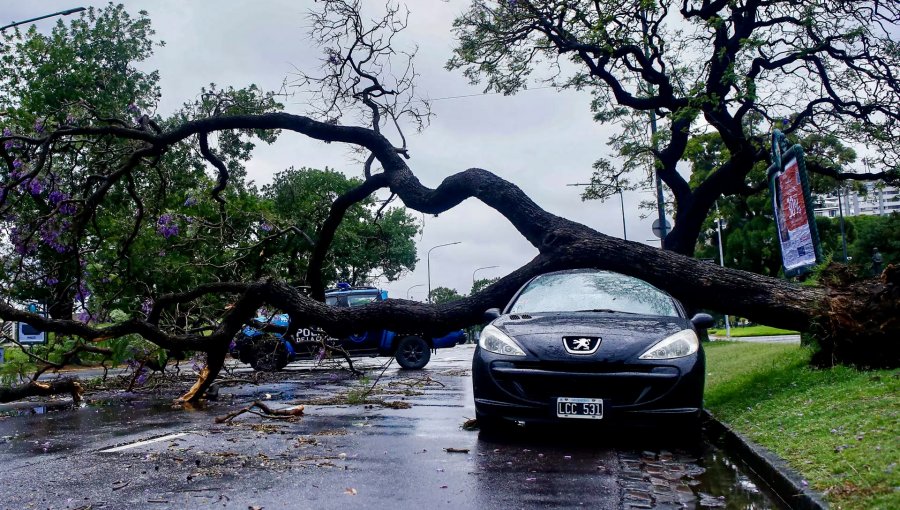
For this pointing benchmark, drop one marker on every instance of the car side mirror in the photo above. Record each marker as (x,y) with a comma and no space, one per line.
(491,314)
(703,321)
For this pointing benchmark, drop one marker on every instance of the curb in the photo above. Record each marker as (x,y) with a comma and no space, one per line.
(784,481)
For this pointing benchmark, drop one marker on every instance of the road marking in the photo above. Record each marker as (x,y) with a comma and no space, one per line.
(144,442)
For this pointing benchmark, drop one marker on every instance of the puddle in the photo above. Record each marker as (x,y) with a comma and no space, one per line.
(730,479)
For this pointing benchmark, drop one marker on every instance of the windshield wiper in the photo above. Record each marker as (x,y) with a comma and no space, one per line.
(605,310)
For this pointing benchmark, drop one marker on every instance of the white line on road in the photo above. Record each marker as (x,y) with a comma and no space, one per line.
(144,442)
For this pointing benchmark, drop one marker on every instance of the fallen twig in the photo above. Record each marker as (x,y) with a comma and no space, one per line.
(267,412)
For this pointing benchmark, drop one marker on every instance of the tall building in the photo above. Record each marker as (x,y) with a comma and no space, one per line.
(878,200)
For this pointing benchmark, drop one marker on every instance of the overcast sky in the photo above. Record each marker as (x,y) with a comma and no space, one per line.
(540,139)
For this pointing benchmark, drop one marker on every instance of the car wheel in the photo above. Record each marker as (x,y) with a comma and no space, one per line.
(488,424)
(413,353)
(270,355)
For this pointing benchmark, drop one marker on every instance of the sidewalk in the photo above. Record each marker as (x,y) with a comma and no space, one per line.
(775,339)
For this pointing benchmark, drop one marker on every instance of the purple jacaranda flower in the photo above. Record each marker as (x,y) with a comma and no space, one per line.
(39,125)
(142,377)
(68,208)
(232,346)
(166,226)
(17,163)
(133,108)
(321,354)
(9,144)
(82,293)
(7,132)
(34,187)
(190,201)
(83,316)
(266,227)
(785,122)
(56,196)
(162,253)
(70,119)
(51,281)
(146,306)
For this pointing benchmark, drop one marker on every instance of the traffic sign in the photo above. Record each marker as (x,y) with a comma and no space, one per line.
(657,231)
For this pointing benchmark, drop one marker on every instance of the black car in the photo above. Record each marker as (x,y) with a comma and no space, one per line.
(590,345)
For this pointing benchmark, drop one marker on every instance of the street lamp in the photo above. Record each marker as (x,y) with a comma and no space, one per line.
(722,263)
(428,257)
(413,287)
(621,201)
(479,269)
(60,13)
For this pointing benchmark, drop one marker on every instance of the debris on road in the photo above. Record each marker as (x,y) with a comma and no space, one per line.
(267,412)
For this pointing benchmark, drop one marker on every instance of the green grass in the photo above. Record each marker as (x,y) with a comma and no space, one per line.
(837,427)
(753,331)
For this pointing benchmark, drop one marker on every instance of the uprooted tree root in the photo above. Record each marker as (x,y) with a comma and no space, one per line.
(264,411)
(42,389)
(859,325)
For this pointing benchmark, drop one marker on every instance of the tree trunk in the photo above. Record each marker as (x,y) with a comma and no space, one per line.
(42,389)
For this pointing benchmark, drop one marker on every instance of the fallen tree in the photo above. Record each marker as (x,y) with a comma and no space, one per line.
(561,244)
(857,322)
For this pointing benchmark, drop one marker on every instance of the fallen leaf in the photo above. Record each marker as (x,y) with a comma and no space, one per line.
(456,450)
(350,491)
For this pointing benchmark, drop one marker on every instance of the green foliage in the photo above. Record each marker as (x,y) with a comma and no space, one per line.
(870,232)
(367,244)
(481,283)
(16,367)
(441,295)
(837,427)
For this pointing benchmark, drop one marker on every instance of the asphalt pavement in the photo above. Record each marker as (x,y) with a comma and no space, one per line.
(405,448)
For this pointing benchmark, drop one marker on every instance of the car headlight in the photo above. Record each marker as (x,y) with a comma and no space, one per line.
(681,344)
(496,341)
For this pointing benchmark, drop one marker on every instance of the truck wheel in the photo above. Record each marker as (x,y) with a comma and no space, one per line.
(270,355)
(413,353)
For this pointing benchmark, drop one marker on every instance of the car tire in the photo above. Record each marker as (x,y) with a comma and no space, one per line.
(488,424)
(269,355)
(413,353)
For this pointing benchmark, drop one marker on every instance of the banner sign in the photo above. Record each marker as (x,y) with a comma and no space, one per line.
(794,218)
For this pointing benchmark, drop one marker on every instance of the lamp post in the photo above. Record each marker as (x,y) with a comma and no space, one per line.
(479,269)
(621,202)
(660,203)
(60,13)
(722,263)
(413,287)
(428,257)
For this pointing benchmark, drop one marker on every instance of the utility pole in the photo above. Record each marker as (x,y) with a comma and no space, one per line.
(660,204)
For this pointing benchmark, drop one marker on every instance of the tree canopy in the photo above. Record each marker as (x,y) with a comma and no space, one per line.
(728,69)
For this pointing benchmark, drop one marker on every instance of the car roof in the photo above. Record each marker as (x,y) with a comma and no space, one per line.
(350,291)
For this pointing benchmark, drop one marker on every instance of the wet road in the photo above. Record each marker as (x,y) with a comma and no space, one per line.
(148,455)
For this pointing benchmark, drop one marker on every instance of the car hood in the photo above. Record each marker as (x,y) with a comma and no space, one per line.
(623,336)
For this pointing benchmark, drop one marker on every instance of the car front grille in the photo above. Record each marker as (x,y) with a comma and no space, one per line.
(623,385)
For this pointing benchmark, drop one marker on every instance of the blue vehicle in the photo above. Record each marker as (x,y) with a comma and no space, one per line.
(272,351)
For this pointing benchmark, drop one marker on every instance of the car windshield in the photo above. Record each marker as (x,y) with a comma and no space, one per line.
(350,300)
(599,291)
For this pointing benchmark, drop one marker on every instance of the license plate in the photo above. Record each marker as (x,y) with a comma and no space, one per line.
(587,408)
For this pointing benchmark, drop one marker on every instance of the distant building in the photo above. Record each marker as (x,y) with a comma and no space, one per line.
(877,201)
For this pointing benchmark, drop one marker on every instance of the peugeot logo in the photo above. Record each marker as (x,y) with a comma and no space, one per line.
(581,344)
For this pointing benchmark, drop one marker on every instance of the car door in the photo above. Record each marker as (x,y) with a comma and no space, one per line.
(365,341)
